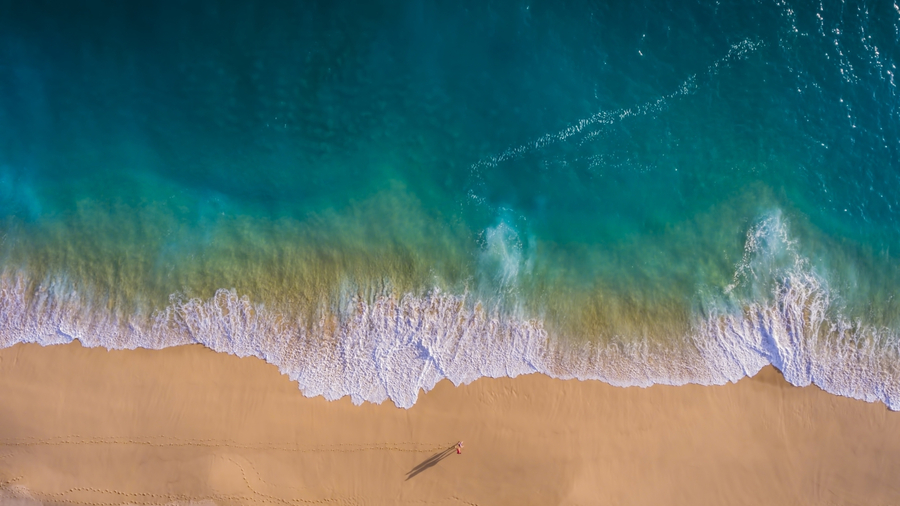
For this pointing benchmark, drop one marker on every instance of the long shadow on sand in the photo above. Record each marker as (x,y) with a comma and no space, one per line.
(430,462)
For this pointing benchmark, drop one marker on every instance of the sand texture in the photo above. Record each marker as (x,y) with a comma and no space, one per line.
(187,425)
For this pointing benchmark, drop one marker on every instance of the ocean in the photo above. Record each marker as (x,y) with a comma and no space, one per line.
(375,196)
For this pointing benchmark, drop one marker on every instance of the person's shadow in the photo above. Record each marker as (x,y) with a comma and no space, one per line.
(430,462)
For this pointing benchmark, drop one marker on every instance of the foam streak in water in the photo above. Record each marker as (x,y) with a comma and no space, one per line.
(737,51)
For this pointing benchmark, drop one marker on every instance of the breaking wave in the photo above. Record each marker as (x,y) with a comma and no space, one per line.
(392,347)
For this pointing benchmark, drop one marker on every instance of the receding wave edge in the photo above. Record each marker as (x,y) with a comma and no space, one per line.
(393,347)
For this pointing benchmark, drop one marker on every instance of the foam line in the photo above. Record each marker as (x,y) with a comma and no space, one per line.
(393,347)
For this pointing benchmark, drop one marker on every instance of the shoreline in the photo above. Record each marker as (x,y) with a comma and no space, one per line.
(189,425)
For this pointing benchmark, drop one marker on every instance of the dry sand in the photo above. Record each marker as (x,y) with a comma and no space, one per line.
(88,426)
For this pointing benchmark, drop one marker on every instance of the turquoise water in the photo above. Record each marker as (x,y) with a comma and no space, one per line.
(377,196)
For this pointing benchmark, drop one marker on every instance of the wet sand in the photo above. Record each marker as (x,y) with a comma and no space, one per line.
(187,425)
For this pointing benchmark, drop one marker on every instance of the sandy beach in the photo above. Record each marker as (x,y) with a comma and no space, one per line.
(186,425)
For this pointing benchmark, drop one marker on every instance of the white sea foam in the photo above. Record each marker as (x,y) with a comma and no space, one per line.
(800,330)
(504,259)
(393,347)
